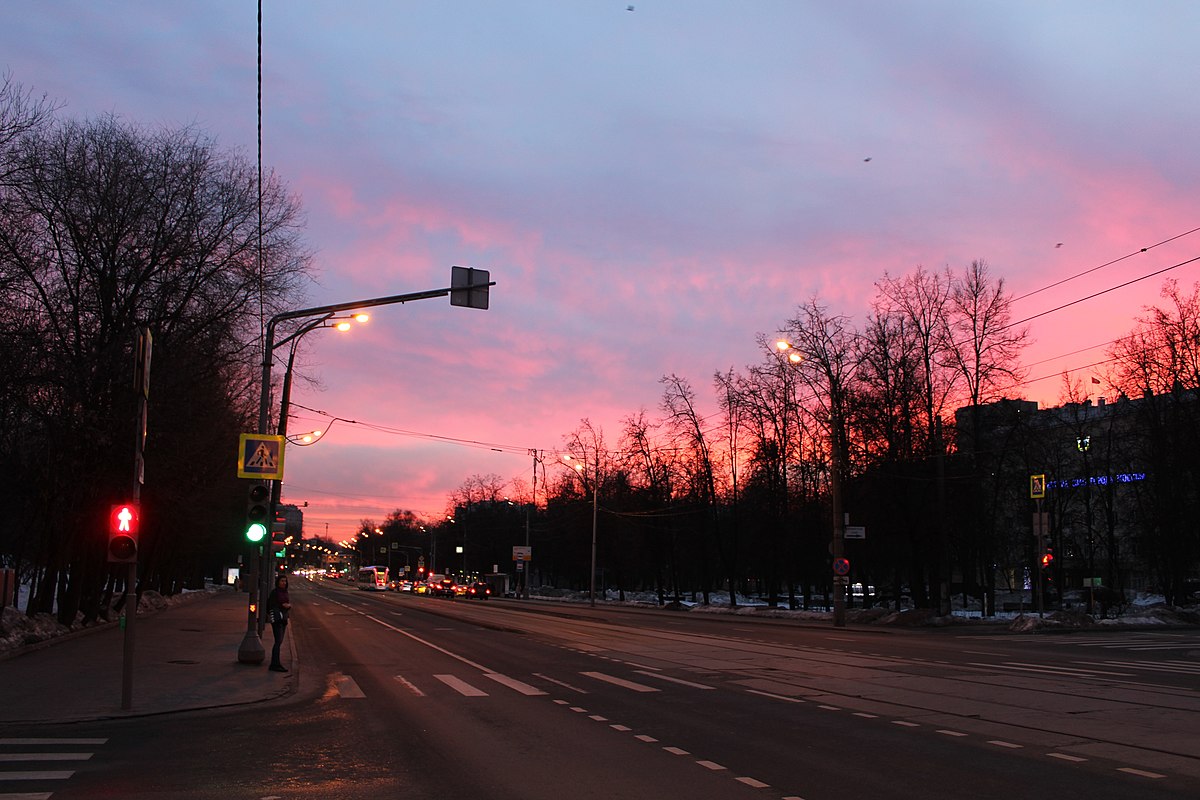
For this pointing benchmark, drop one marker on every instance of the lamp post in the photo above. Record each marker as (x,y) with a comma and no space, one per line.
(837,461)
(580,467)
(469,288)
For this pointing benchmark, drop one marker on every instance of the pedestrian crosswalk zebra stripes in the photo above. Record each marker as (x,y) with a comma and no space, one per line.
(471,686)
(19,758)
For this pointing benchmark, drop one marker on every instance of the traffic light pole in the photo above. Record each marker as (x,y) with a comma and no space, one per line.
(468,287)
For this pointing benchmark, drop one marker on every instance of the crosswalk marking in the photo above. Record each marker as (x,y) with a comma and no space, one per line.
(347,688)
(636,687)
(44,757)
(514,684)
(72,742)
(461,686)
(44,775)
(27,795)
(412,687)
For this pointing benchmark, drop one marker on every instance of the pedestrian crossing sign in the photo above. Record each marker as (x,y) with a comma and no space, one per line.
(260,456)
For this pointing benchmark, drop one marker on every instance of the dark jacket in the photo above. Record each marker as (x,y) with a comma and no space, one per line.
(275,601)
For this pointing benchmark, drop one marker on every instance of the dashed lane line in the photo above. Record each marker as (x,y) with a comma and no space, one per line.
(679,681)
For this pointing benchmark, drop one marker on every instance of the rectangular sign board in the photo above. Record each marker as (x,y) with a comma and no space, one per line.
(260,456)
(854,532)
(521,553)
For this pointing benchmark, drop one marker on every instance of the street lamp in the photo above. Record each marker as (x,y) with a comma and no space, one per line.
(579,466)
(837,459)
(469,288)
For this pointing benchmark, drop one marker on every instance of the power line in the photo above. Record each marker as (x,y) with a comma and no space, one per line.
(1106,264)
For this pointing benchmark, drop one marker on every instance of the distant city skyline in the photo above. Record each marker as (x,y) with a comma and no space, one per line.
(650,190)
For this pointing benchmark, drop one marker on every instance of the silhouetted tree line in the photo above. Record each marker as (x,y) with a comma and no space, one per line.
(936,465)
(106,228)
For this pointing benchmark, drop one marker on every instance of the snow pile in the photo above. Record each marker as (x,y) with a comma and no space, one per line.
(19,631)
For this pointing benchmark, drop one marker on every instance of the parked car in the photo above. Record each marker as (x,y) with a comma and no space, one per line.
(478,591)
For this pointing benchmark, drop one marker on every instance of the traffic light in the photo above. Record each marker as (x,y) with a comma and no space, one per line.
(279,544)
(421,573)
(1047,559)
(258,504)
(123,534)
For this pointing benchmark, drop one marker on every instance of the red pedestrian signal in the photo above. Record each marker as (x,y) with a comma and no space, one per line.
(123,534)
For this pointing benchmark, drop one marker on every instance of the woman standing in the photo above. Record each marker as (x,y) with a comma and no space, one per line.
(278,606)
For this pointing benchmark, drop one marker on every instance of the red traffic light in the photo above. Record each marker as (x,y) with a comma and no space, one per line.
(123,534)
(1047,560)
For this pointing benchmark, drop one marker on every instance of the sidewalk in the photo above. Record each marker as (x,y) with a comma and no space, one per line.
(185,658)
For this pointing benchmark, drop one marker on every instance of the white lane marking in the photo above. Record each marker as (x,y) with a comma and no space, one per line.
(1181,668)
(1064,671)
(409,685)
(27,795)
(50,775)
(905,723)
(710,765)
(514,684)
(644,738)
(678,751)
(557,682)
(636,687)
(865,715)
(43,757)
(578,710)
(945,732)
(598,718)
(680,681)
(1082,672)
(461,686)
(829,708)
(1065,757)
(775,696)
(754,783)
(1140,772)
(1001,743)
(347,688)
(621,728)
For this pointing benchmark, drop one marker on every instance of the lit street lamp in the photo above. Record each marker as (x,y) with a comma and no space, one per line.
(469,288)
(579,467)
(837,460)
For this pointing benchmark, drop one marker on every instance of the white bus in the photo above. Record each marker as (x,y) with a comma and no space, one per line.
(373,579)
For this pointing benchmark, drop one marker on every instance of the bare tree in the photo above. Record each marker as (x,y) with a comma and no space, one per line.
(685,421)
(104,229)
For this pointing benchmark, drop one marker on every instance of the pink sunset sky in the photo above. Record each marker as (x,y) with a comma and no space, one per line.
(650,189)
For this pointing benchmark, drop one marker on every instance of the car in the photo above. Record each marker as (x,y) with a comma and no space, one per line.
(421,587)
(478,591)
(446,587)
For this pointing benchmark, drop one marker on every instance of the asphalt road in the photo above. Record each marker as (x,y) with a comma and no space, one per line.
(417,697)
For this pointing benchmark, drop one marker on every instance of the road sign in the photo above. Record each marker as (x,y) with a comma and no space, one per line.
(521,553)
(841,580)
(1037,486)
(841,566)
(855,532)
(260,456)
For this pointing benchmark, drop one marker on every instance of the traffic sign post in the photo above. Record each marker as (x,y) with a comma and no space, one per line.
(841,566)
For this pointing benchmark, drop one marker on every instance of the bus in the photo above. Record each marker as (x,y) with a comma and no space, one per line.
(373,579)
